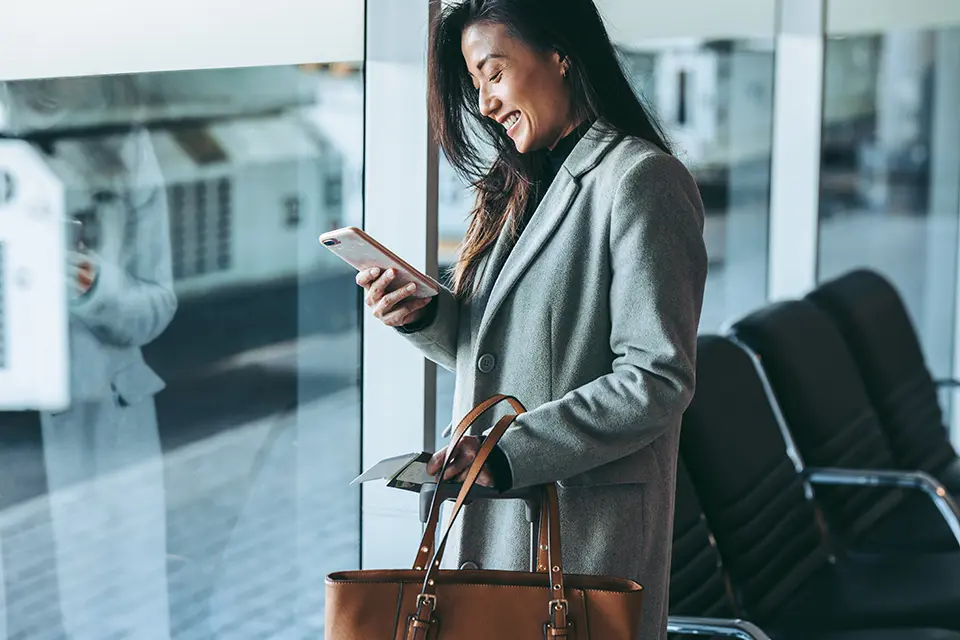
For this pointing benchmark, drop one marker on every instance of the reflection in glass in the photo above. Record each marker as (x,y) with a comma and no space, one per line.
(197,485)
(890,169)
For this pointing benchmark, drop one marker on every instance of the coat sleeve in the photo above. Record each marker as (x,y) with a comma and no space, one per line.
(132,301)
(659,267)
(438,339)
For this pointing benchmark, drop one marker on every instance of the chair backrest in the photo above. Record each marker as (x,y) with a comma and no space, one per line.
(876,326)
(754,497)
(818,387)
(698,584)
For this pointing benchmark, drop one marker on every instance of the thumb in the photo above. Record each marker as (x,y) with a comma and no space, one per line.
(436,462)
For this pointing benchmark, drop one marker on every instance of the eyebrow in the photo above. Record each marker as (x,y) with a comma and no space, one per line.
(487,58)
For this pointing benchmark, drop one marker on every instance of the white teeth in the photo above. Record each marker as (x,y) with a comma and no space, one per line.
(512,120)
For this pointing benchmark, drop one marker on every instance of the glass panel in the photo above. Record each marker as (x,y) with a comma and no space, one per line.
(890,169)
(197,486)
(715,100)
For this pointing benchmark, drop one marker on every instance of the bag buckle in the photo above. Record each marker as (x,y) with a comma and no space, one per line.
(560,603)
(428,598)
(423,624)
(552,630)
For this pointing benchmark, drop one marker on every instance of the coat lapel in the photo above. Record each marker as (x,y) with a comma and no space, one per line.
(553,208)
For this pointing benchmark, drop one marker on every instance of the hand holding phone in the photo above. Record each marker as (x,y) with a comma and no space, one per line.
(394,307)
(396,291)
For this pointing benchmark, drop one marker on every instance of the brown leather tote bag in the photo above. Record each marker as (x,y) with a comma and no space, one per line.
(425,603)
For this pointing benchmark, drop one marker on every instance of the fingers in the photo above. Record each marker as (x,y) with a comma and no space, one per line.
(80,275)
(458,466)
(436,462)
(395,308)
(405,313)
(463,457)
(367,276)
(376,287)
(391,300)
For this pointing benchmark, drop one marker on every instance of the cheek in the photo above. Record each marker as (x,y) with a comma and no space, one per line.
(540,100)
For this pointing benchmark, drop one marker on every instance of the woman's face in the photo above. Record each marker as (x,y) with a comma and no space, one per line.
(523,90)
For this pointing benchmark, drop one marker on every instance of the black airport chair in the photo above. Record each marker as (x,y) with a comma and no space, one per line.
(876,326)
(702,600)
(829,419)
(788,569)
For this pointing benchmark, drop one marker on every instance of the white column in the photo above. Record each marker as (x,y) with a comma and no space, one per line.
(795,179)
(940,278)
(945,187)
(401,211)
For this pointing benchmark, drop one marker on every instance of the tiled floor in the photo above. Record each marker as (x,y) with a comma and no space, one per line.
(256,517)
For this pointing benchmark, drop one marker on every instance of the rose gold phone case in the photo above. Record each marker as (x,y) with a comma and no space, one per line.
(359,250)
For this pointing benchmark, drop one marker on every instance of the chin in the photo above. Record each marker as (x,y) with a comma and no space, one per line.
(522,145)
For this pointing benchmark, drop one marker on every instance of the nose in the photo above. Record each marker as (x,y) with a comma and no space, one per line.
(489,104)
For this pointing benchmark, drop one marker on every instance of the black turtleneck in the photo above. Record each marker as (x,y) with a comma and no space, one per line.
(554,159)
(558,155)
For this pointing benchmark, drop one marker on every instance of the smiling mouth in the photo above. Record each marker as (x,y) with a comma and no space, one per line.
(510,122)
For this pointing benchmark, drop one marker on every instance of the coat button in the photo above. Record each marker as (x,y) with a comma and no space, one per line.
(486,363)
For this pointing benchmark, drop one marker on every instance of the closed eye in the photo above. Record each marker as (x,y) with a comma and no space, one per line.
(496,76)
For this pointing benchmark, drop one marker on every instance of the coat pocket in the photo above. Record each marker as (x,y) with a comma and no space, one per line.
(135,383)
(638,468)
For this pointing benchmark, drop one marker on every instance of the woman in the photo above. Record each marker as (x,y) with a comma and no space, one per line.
(578,287)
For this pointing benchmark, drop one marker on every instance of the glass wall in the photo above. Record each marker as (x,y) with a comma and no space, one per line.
(890,176)
(197,485)
(715,100)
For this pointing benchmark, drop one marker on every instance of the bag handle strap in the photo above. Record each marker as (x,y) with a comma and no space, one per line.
(420,623)
(425,551)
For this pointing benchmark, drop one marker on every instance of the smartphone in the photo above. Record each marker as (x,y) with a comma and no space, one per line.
(361,251)
(74,234)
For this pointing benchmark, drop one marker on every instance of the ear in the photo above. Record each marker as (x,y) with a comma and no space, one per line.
(562,62)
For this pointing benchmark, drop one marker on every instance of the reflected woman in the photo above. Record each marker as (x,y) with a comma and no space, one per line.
(103,455)
(578,287)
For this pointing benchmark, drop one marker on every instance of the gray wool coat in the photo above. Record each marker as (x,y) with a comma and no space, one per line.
(591,322)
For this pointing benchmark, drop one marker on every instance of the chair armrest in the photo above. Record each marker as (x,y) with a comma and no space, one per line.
(730,628)
(916,480)
(947,383)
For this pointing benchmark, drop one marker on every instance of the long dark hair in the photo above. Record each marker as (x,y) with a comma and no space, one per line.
(599,88)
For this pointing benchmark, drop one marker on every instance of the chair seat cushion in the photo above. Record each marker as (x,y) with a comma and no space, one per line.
(864,590)
(915,525)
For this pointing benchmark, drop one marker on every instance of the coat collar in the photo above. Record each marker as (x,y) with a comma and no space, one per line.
(591,149)
(556,202)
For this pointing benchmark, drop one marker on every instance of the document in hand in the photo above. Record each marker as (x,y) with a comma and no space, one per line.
(408,471)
